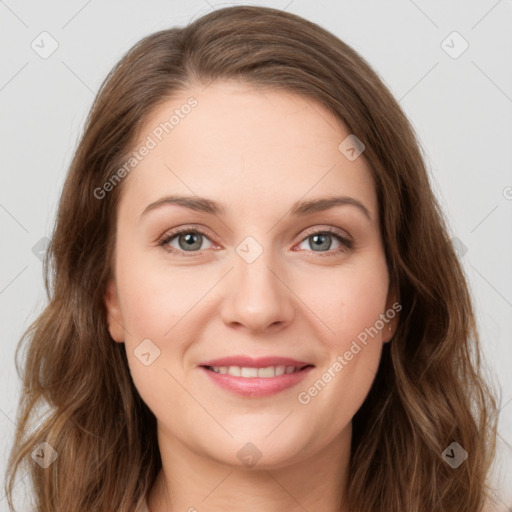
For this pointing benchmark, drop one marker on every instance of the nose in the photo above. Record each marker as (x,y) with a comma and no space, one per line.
(257,296)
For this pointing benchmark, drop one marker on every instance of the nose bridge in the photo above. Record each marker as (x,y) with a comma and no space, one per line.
(258,297)
(253,268)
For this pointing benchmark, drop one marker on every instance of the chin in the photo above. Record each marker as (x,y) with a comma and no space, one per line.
(256,452)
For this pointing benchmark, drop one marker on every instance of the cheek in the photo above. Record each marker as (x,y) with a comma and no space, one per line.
(153,307)
(161,305)
(154,299)
(347,300)
(350,304)
(153,312)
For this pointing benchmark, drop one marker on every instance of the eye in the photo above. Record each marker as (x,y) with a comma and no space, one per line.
(190,240)
(320,240)
(187,240)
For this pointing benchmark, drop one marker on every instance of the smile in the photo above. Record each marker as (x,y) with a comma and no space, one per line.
(250,372)
(253,382)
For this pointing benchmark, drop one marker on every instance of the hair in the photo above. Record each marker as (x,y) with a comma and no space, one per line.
(429,390)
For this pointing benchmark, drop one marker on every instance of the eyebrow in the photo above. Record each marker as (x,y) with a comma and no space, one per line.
(300,208)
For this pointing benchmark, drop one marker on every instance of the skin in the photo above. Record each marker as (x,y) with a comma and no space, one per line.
(256,152)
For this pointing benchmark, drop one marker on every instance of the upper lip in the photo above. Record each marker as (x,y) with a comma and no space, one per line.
(255,362)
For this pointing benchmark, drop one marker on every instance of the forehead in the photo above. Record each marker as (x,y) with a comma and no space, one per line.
(238,143)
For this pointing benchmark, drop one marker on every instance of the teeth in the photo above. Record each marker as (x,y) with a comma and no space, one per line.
(233,370)
(270,371)
(248,372)
(280,370)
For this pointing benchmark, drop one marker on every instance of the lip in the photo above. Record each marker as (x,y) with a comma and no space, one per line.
(256,386)
(254,362)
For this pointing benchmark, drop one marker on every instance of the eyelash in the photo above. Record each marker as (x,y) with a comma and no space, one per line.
(346,244)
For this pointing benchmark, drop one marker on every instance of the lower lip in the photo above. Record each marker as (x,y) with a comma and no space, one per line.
(257,386)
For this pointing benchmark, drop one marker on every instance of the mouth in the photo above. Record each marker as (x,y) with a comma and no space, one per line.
(253,382)
(249,372)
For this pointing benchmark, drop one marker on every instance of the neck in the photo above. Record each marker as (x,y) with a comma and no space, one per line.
(193,482)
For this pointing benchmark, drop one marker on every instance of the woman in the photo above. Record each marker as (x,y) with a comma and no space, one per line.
(254,301)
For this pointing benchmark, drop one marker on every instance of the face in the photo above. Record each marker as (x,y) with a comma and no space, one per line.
(255,269)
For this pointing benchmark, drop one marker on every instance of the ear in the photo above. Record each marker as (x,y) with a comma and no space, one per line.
(114,317)
(391,314)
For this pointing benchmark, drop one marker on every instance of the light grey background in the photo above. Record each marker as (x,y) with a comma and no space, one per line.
(460,107)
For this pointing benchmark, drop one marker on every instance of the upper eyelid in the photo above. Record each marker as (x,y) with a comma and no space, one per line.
(185,229)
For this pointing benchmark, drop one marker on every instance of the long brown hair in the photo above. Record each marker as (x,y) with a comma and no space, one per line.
(429,390)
